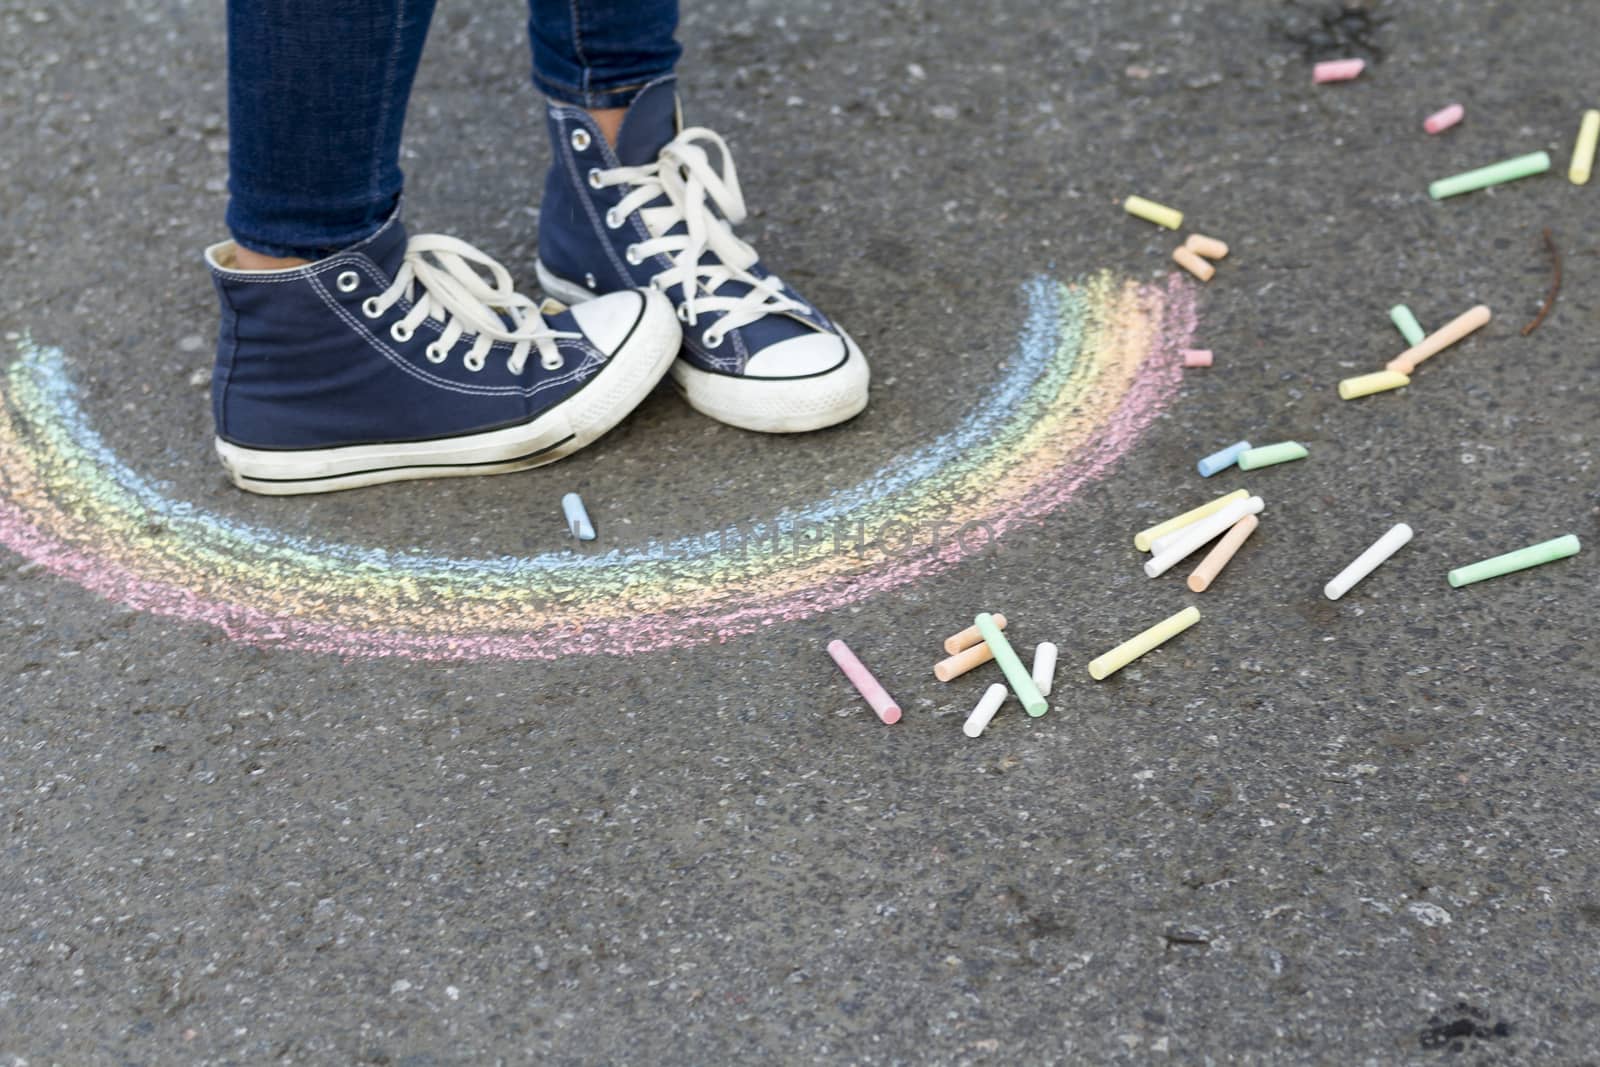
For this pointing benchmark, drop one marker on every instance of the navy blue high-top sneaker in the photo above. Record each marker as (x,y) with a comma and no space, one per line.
(399,358)
(656,212)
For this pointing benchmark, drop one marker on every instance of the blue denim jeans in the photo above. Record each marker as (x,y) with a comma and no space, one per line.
(317,93)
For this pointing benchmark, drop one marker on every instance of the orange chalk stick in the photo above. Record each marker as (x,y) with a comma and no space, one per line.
(1440,339)
(963,661)
(970,636)
(1219,556)
(1193,263)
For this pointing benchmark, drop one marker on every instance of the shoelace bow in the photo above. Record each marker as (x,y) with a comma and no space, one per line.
(682,173)
(443,278)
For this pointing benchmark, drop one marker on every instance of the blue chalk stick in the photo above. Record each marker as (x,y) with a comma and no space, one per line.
(577,517)
(1221,461)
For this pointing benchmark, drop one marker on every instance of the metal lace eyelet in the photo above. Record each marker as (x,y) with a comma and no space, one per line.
(552,363)
(348,281)
(473,362)
(435,354)
(370,308)
(632,255)
(613,220)
(580,139)
(683,312)
(594,178)
(400,332)
(712,342)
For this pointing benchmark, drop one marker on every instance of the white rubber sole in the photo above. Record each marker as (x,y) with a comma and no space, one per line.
(765,405)
(604,401)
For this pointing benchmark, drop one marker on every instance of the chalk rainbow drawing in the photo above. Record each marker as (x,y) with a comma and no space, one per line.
(1095,362)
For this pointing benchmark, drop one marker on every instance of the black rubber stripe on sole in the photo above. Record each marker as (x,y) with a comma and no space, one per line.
(410,467)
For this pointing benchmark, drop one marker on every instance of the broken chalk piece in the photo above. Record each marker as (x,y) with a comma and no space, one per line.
(969,637)
(1583,149)
(1337,70)
(1407,324)
(1209,247)
(1222,553)
(1520,560)
(1368,561)
(577,517)
(864,682)
(1444,118)
(1151,211)
(962,662)
(1033,701)
(1222,460)
(1177,547)
(1197,357)
(1192,263)
(1495,174)
(1044,666)
(1472,319)
(1271,455)
(1134,647)
(1367,384)
(1144,538)
(990,703)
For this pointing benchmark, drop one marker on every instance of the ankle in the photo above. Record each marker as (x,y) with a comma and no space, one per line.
(609,119)
(244,259)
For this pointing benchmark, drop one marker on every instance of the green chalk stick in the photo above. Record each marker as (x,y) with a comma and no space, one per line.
(1494,174)
(1267,455)
(1407,324)
(1021,680)
(1520,560)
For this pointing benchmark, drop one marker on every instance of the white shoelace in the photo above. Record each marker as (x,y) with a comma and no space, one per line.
(683,174)
(443,278)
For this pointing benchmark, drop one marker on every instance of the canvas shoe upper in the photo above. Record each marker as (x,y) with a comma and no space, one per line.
(658,211)
(416,357)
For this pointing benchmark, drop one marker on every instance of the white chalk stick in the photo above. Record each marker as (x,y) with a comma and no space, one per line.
(1190,539)
(978,721)
(1368,561)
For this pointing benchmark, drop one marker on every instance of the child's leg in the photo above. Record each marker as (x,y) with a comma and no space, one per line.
(598,54)
(317,96)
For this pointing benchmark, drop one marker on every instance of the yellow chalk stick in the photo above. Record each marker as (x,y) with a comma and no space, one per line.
(1134,647)
(1143,538)
(1440,339)
(1151,211)
(1583,149)
(1193,263)
(1202,245)
(1367,384)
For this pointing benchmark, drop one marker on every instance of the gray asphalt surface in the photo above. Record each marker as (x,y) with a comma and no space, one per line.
(1306,832)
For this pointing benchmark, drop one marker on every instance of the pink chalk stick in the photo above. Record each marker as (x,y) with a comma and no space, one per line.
(1337,70)
(865,683)
(1197,357)
(1443,119)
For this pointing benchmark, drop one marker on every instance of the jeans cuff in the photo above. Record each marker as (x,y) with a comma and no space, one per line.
(595,97)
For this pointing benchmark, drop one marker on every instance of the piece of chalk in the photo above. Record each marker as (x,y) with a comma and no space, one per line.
(1197,357)
(988,704)
(1222,460)
(1444,118)
(1368,561)
(1175,548)
(1219,555)
(1134,647)
(864,682)
(1270,455)
(1151,211)
(1337,70)
(962,662)
(1472,319)
(1210,247)
(1192,263)
(1495,174)
(970,636)
(1367,384)
(1021,681)
(1044,667)
(1407,324)
(577,517)
(1520,560)
(1582,165)
(1144,538)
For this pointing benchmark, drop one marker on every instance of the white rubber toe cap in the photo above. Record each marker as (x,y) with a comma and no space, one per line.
(608,320)
(798,357)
